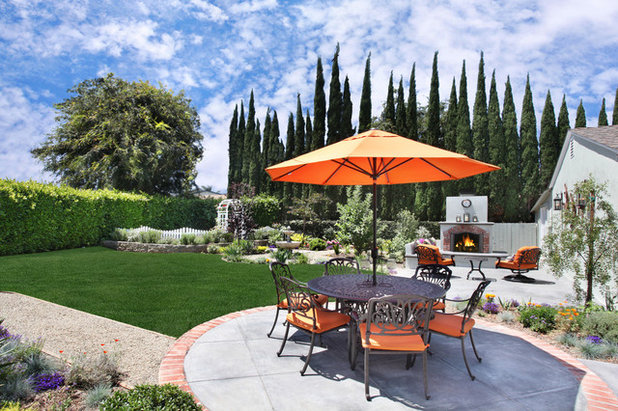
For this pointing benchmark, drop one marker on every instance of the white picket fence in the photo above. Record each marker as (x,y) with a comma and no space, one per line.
(175,234)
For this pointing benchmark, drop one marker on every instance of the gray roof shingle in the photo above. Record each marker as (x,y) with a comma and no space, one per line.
(606,135)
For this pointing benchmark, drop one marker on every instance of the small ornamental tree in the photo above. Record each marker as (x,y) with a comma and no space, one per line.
(355,220)
(585,240)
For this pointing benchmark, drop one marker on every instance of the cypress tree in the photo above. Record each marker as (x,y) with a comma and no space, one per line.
(288,188)
(449,188)
(388,124)
(256,166)
(388,115)
(241,144)
(580,116)
(299,141)
(308,189)
(277,153)
(335,102)
(548,142)
(602,115)
(248,142)
(347,129)
(412,132)
(615,112)
(464,136)
(433,192)
(266,153)
(232,148)
(401,126)
(497,154)
(412,113)
(529,151)
(512,165)
(480,132)
(364,116)
(319,109)
(563,123)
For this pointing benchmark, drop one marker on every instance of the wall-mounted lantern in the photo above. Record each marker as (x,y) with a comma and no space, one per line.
(466,217)
(558,202)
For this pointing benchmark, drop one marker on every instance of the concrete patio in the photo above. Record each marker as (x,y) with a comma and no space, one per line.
(229,363)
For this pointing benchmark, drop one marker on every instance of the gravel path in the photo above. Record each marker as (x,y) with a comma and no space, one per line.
(74,332)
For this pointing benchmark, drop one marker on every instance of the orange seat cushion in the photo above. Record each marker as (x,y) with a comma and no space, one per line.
(324,320)
(512,265)
(448,261)
(439,305)
(438,257)
(449,325)
(391,342)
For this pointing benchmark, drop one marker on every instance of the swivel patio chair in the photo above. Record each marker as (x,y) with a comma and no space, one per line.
(305,314)
(524,260)
(279,270)
(429,257)
(458,326)
(440,275)
(395,324)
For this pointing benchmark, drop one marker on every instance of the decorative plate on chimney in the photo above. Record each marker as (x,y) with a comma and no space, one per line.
(466,203)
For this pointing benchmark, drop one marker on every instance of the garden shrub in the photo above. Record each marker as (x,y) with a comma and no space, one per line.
(603,324)
(300,258)
(265,209)
(149,237)
(317,244)
(188,239)
(314,228)
(282,255)
(97,395)
(539,318)
(150,397)
(38,217)
(89,372)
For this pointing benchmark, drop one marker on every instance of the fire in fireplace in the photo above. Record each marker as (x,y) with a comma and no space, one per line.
(467,242)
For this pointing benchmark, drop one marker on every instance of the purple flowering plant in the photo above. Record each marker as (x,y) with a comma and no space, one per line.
(44,382)
(491,308)
(594,339)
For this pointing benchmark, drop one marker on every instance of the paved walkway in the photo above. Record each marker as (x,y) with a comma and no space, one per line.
(229,363)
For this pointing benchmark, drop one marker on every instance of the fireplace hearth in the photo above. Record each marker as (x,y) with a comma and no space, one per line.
(466,242)
(466,228)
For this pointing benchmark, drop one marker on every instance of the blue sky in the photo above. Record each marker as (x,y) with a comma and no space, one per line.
(217,51)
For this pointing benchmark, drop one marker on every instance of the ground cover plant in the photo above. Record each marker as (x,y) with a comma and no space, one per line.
(167,293)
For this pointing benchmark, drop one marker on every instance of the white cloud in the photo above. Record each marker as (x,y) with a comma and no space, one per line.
(207,11)
(23,126)
(253,6)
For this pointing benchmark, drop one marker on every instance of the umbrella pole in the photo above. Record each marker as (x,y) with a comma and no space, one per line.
(374,250)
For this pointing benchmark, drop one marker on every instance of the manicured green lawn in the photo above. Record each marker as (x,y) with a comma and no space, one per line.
(168,293)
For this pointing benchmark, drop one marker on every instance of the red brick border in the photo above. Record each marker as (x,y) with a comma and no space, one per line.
(598,395)
(172,369)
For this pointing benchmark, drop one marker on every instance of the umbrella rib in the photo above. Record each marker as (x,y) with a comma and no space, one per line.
(347,163)
(437,168)
(334,172)
(288,172)
(396,165)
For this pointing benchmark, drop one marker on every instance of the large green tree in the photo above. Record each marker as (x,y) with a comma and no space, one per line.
(401,124)
(266,153)
(602,115)
(529,151)
(364,116)
(412,113)
(580,115)
(497,154)
(464,135)
(388,115)
(513,208)
(347,129)
(335,102)
(247,153)
(131,136)
(241,143)
(615,112)
(449,188)
(563,123)
(548,142)
(433,136)
(319,109)
(480,131)
(233,153)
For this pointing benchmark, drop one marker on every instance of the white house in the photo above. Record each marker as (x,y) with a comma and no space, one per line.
(586,151)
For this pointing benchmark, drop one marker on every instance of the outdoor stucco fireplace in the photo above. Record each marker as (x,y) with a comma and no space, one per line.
(466,228)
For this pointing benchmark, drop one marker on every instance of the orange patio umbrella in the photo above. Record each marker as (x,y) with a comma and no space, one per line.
(376,157)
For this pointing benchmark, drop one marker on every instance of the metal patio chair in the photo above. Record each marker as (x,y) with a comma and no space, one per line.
(305,314)
(524,260)
(458,326)
(395,324)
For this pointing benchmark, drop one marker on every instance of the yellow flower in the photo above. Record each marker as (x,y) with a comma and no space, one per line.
(576,314)
(571,317)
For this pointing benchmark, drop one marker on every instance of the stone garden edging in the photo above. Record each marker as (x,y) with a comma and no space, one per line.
(153,248)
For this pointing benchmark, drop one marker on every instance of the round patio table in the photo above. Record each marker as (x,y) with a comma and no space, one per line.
(357,287)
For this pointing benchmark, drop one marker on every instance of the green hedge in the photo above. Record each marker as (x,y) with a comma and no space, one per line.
(41,217)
